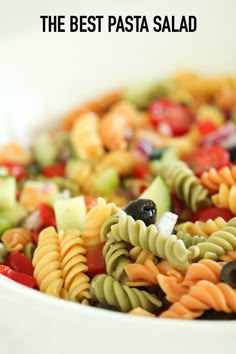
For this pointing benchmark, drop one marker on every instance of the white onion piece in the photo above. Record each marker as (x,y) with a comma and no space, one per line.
(167,222)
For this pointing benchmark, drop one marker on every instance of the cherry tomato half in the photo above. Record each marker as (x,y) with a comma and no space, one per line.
(57,170)
(47,215)
(21,278)
(16,169)
(20,263)
(212,213)
(170,118)
(95,262)
(203,159)
(205,127)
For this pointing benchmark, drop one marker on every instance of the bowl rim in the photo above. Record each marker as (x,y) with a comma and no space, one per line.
(13,290)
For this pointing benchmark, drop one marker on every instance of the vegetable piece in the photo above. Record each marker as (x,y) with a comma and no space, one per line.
(90,202)
(203,159)
(222,136)
(217,315)
(7,192)
(70,213)
(141,171)
(228,274)
(57,170)
(4,225)
(212,213)
(44,150)
(107,182)
(205,127)
(13,215)
(21,278)
(95,262)
(19,263)
(142,209)
(47,215)
(159,193)
(170,118)
(167,222)
(16,170)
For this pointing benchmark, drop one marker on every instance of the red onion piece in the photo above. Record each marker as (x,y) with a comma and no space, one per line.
(224,136)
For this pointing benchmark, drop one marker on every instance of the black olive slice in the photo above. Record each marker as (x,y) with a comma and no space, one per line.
(142,209)
(228,274)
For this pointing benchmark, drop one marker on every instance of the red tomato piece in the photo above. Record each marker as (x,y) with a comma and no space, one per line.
(90,202)
(203,159)
(16,169)
(21,278)
(142,188)
(140,171)
(212,213)
(95,262)
(170,118)
(47,215)
(35,236)
(205,127)
(20,263)
(57,170)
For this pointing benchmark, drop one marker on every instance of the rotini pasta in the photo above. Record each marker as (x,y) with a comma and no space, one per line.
(202,296)
(187,187)
(73,265)
(213,178)
(93,223)
(201,228)
(47,263)
(140,256)
(225,198)
(85,138)
(16,239)
(109,291)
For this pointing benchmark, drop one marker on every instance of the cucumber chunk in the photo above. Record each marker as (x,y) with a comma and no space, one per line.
(70,213)
(107,182)
(44,150)
(13,216)
(159,193)
(7,192)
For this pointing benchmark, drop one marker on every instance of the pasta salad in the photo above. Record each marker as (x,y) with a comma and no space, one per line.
(129,204)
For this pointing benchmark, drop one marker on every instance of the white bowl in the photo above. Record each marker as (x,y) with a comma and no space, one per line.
(45,74)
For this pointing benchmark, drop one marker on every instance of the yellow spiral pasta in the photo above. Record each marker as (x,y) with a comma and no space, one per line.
(85,138)
(139,255)
(203,296)
(212,179)
(139,311)
(73,265)
(47,263)
(201,228)
(16,239)
(174,287)
(225,198)
(83,176)
(93,223)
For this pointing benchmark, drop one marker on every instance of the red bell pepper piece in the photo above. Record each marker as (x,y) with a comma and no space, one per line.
(20,263)
(21,278)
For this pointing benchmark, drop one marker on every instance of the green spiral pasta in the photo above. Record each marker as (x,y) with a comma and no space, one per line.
(190,240)
(219,242)
(116,258)
(160,243)
(186,186)
(108,291)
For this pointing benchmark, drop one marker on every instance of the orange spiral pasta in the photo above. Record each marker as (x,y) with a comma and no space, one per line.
(203,296)
(99,106)
(16,239)
(116,125)
(94,220)
(228,257)
(73,265)
(13,152)
(201,228)
(174,287)
(212,179)
(47,263)
(85,138)
(225,198)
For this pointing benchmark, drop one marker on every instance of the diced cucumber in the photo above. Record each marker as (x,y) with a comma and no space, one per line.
(4,225)
(70,213)
(44,150)
(7,191)
(107,182)
(159,193)
(13,215)
(169,154)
